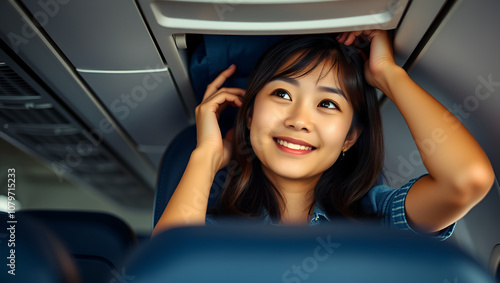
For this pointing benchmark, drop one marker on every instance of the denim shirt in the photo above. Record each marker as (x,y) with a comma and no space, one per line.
(381,200)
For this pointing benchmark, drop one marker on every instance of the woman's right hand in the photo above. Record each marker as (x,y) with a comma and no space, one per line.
(215,100)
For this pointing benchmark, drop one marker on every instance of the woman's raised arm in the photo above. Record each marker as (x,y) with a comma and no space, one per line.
(188,205)
(460,173)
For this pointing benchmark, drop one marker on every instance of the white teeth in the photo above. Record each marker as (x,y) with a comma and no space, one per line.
(293,146)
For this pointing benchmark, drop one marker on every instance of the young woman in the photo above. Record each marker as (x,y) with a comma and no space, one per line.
(308,143)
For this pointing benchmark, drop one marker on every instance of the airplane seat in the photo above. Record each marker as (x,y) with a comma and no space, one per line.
(342,252)
(98,242)
(33,253)
(172,167)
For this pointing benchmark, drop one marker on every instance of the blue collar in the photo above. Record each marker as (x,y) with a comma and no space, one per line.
(318,216)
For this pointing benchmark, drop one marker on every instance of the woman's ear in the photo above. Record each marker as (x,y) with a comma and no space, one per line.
(352,137)
(249,122)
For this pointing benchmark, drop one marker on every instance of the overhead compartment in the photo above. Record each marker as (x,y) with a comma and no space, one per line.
(278,16)
(98,35)
(172,21)
(142,104)
(109,45)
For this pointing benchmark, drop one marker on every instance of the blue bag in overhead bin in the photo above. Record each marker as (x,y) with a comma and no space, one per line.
(218,52)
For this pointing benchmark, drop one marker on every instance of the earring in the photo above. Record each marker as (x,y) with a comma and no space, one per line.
(343,154)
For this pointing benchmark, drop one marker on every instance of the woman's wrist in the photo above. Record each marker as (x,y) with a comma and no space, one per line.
(389,78)
(206,158)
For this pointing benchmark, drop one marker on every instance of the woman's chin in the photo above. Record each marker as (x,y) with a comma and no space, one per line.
(291,172)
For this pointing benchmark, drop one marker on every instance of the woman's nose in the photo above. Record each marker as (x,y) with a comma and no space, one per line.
(299,119)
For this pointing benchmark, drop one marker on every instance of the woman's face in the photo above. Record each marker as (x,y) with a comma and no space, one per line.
(299,126)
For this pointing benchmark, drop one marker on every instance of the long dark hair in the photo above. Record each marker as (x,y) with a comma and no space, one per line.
(248,192)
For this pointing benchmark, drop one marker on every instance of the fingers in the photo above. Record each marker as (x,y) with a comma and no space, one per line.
(219,81)
(349,38)
(341,37)
(232,90)
(226,99)
(237,92)
(218,102)
(222,99)
(352,36)
(213,88)
(217,99)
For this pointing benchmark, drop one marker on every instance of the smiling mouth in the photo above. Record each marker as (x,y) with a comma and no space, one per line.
(293,146)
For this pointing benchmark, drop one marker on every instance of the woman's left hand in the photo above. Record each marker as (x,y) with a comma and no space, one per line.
(381,59)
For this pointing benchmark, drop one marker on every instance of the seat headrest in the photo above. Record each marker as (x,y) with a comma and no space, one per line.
(33,253)
(260,253)
(88,233)
(172,167)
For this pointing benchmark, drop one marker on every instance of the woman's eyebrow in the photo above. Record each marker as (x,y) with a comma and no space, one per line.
(296,83)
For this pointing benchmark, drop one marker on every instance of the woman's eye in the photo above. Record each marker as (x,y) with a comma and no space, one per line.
(328,104)
(282,93)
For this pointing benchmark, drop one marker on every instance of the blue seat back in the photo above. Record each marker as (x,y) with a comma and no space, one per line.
(236,252)
(32,253)
(172,167)
(98,242)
